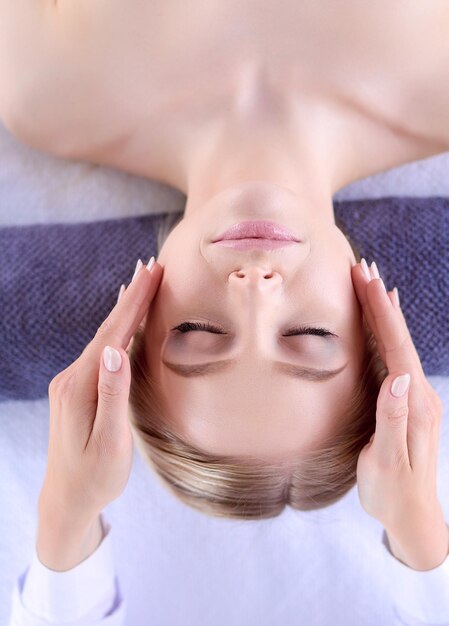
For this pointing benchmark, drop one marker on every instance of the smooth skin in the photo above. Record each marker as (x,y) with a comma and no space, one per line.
(90,440)
(397,470)
(253,113)
(302,101)
(90,445)
(255,297)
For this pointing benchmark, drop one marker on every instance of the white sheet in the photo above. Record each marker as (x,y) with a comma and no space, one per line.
(177,566)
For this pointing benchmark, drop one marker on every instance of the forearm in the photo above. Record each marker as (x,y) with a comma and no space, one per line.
(421,543)
(65,541)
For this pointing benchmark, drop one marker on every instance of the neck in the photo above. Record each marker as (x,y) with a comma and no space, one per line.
(249,146)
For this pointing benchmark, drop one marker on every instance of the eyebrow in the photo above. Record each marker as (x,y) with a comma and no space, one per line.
(296,371)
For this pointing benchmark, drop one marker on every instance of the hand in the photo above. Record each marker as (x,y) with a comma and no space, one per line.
(90,439)
(396,471)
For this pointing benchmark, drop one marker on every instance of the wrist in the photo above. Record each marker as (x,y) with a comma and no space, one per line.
(421,543)
(63,543)
(61,510)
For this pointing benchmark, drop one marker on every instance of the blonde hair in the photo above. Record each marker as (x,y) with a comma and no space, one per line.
(250,488)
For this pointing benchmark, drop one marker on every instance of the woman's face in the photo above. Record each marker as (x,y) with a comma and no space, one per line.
(246,391)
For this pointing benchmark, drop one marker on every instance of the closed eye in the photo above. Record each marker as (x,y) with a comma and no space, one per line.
(309,330)
(186,327)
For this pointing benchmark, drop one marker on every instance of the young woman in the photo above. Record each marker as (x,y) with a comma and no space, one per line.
(256,374)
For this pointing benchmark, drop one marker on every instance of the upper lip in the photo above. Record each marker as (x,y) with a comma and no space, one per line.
(257,230)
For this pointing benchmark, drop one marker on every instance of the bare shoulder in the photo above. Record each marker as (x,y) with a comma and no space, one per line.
(75,59)
(400,67)
(425,74)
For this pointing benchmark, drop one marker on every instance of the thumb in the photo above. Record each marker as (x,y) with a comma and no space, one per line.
(113,392)
(390,437)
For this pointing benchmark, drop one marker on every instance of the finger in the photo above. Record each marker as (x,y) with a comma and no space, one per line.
(391,295)
(141,325)
(391,331)
(390,438)
(395,299)
(401,354)
(424,426)
(361,276)
(125,317)
(372,295)
(131,307)
(114,381)
(122,322)
(129,346)
(120,293)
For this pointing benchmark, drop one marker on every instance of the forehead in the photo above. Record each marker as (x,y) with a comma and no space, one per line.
(251,411)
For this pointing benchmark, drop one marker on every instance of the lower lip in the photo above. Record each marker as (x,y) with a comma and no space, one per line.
(254,244)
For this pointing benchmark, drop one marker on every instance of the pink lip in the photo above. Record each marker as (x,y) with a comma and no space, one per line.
(257,231)
(251,244)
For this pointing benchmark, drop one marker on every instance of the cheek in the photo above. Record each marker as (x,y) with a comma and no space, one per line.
(182,244)
(187,274)
(335,262)
(185,290)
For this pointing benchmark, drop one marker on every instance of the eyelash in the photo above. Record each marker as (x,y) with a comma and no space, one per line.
(186,327)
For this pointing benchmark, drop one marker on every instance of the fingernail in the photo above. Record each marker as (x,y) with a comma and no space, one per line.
(150,263)
(383,284)
(136,271)
(396,295)
(400,385)
(112,359)
(365,269)
(375,270)
(120,293)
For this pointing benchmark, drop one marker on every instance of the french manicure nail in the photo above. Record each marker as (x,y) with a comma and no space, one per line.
(120,293)
(136,271)
(365,269)
(396,295)
(150,263)
(383,285)
(375,270)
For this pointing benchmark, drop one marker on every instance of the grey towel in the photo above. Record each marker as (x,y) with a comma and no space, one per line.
(58,282)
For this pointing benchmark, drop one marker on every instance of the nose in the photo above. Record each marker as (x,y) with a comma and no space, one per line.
(256,294)
(254,276)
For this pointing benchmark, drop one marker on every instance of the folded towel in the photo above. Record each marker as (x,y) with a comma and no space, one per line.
(59,281)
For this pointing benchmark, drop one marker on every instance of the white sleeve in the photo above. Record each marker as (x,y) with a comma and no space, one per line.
(86,595)
(421,598)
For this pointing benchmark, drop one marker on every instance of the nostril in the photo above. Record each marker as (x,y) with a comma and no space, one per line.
(242,274)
